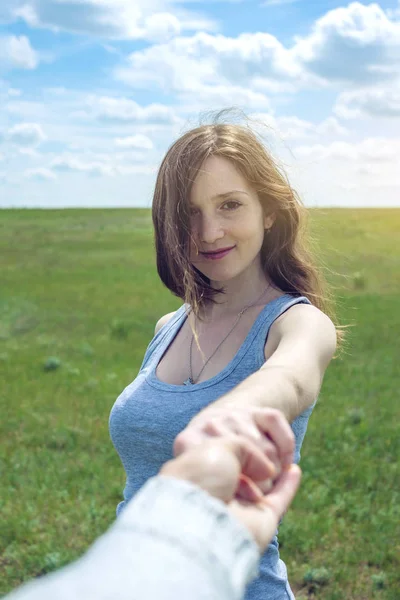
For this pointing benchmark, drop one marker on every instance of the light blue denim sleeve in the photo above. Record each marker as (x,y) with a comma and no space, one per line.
(171,541)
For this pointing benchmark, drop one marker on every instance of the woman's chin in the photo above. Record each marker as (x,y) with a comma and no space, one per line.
(218,275)
(217,271)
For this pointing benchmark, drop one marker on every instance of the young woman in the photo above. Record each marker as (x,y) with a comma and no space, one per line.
(254,330)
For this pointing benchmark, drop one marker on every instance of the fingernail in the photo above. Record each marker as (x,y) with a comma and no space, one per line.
(266,485)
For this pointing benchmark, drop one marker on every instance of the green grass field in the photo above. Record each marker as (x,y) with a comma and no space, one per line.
(81,286)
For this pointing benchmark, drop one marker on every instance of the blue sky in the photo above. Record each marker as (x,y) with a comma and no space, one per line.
(93,92)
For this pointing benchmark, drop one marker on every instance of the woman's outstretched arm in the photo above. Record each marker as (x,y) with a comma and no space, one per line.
(290,380)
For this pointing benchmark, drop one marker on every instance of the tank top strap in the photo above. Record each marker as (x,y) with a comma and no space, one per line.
(163,337)
(265,319)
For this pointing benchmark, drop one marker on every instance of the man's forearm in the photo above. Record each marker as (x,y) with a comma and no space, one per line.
(270,387)
(171,541)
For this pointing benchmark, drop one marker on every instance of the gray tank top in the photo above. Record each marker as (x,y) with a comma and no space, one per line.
(149,414)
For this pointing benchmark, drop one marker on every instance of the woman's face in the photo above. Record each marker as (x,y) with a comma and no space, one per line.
(225,215)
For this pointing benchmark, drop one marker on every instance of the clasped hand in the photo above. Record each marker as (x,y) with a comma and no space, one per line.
(270,440)
(222,448)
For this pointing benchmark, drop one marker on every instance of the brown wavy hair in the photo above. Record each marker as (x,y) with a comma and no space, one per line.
(286,255)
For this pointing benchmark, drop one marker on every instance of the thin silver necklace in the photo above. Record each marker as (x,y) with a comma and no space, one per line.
(190,380)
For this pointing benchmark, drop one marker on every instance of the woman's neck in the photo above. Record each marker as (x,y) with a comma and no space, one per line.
(238,297)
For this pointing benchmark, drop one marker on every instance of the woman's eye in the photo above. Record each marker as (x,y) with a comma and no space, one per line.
(231,205)
(227,206)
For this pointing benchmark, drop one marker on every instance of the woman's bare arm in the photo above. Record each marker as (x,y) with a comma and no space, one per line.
(290,380)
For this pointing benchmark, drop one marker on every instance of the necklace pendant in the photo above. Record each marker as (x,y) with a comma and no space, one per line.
(189,381)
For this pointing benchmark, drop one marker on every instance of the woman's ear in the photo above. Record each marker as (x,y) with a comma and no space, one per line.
(269,220)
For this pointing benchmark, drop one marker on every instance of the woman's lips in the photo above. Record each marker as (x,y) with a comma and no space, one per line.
(217,255)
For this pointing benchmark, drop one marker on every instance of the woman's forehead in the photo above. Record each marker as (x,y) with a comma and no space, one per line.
(218,177)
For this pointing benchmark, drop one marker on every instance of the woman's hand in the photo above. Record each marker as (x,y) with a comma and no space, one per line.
(217,466)
(267,428)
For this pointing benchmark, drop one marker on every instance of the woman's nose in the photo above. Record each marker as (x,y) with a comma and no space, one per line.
(210,230)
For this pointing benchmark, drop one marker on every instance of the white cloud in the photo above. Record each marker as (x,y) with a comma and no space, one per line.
(354,44)
(331,126)
(162,26)
(203,61)
(349,44)
(369,150)
(77,122)
(100,164)
(69,164)
(27,109)
(372,102)
(123,109)
(13,92)
(249,56)
(152,20)
(17,53)
(212,98)
(40,174)
(288,128)
(25,134)
(319,152)
(170,66)
(271,127)
(134,141)
(31,152)
(346,173)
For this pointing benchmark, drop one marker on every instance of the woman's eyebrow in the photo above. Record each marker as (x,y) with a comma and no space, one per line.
(227,194)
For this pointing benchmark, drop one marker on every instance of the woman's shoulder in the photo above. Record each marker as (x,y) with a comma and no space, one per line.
(301,314)
(163,321)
